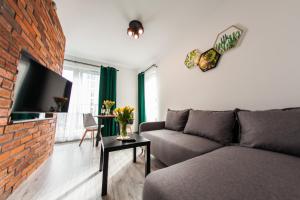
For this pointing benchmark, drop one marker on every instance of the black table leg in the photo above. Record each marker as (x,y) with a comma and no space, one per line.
(101,157)
(148,160)
(105,173)
(134,154)
(98,137)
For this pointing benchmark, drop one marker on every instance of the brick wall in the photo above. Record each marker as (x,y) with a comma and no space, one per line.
(31,25)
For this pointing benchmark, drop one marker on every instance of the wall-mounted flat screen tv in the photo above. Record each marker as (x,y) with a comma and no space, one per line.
(38,89)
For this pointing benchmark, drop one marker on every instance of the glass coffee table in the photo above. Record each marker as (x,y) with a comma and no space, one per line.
(109,144)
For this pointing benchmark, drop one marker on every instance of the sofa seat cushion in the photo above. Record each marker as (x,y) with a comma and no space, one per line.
(229,173)
(172,147)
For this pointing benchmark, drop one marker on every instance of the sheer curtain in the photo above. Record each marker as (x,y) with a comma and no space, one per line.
(84,99)
(151,94)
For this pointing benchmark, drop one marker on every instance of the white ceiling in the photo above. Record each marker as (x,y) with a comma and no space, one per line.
(97,29)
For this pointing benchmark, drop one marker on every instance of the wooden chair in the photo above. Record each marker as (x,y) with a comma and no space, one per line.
(90,125)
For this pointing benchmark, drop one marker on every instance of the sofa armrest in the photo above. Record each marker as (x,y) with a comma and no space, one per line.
(151,126)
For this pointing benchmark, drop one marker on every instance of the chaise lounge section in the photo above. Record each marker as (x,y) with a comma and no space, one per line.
(264,164)
(233,173)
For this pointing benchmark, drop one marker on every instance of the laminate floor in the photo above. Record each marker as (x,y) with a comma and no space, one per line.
(72,173)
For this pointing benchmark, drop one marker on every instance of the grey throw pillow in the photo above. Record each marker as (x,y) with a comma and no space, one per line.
(214,125)
(275,130)
(176,119)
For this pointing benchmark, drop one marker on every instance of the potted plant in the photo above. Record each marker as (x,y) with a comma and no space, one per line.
(124,116)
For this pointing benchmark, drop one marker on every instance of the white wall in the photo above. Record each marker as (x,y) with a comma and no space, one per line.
(126,85)
(262,73)
(127,91)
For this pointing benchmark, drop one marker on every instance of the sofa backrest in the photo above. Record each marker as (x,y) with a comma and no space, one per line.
(176,119)
(275,130)
(214,125)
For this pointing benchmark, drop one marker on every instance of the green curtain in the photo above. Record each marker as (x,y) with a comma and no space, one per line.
(141,98)
(107,91)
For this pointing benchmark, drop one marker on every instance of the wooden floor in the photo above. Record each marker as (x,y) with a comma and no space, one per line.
(71,173)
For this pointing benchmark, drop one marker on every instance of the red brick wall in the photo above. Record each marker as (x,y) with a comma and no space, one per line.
(30,25)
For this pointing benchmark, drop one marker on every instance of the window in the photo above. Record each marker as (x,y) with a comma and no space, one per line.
(151,95)
(84,99)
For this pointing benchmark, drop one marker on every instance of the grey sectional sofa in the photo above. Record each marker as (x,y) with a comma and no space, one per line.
(204,163)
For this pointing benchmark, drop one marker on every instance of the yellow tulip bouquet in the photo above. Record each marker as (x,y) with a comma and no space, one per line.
(108,104)
(124,116)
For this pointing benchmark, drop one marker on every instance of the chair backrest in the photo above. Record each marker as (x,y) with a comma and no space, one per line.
(88,120)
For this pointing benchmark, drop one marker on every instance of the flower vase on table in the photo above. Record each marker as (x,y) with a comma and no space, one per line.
(124,116)
(123,131)
(108,105)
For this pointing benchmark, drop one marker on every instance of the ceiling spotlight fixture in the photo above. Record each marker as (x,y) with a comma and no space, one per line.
(135,29)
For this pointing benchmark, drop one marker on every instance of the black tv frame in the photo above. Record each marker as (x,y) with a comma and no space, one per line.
(49,113)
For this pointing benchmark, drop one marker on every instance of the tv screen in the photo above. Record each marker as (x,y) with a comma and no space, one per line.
(39,89)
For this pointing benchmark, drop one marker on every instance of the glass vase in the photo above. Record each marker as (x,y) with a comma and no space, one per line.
(107,111)
(123,130)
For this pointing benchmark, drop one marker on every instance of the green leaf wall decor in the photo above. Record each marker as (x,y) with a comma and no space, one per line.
(192,58)
(227,39)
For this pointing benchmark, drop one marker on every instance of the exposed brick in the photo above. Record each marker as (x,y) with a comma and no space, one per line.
(20,133)
(28,125)
(9,15)
(4,43)
(1,130)
(14,6)
(32,26)
(19,156)
(6,74)
(7,84)
(4,103)
(10,145)
(13,127)
(5,23)
(3,121)
(17,149)
(4,156)
(5,138)
(27,39)
(12,67)
(8,57)
(36,134)
(7,8)
(5,93)
(2,63)
(33,130)
(7,163)
(12,182)
(3,173)
(3,112)
(6,179)
(26,139)
(31,144)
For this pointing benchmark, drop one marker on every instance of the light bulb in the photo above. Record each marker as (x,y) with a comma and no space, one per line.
(136,36)
(129,32)
(141,31)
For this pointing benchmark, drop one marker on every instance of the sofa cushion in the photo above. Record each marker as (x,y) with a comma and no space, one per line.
(229,173)
(275,130)
(172,147)
(214,125)
(176,119)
